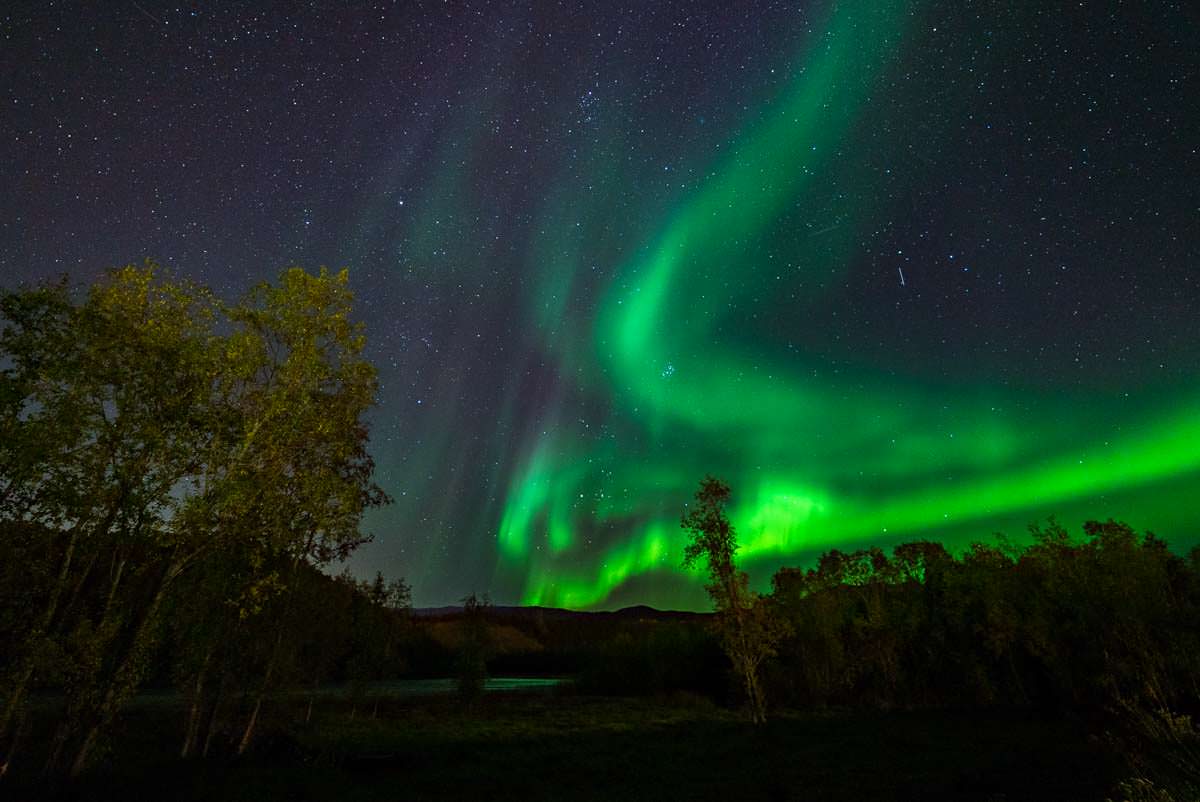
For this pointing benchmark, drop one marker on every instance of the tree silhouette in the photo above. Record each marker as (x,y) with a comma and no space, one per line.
(148,429)
(474,647)
(748,630)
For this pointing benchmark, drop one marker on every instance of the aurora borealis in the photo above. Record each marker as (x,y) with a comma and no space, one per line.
(895,270)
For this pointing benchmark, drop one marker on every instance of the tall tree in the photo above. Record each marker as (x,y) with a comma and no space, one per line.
(149,428)
(303,473)
(748,630)
(121,383)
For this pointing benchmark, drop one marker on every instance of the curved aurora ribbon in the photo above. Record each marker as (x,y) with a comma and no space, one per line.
(817,458)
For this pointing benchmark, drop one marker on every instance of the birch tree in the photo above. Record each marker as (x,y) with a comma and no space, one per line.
(149,428)
(748,631)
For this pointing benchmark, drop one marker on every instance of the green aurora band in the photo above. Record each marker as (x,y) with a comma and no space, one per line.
(818,458)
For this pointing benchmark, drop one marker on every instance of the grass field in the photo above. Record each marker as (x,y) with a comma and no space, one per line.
(558,746)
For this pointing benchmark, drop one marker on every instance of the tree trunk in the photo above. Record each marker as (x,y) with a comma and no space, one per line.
(12,745)
(248,734)
(123,680)
(192,733)
(16,694)
(117,572)
(15,697)
(54,758)
(85,749)
(25,673)
(211,727)
(758,707)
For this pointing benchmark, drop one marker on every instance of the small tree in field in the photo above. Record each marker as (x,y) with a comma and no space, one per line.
(474,648)
(747,629)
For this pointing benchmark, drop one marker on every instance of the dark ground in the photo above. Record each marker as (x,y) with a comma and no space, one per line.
(560,746)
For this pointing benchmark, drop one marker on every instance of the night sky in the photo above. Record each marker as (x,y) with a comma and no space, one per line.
(893,270)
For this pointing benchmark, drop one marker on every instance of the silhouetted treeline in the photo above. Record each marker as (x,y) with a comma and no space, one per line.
(1110,618)
(1106,618)
(630,652)
(657,658)
(1062,622)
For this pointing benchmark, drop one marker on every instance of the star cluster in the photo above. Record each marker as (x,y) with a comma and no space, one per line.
(893,269)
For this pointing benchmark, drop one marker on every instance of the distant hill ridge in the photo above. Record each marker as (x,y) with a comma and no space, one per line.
(637,612)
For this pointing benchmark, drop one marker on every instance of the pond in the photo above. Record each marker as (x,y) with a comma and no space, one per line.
(393,689)
(428,687)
